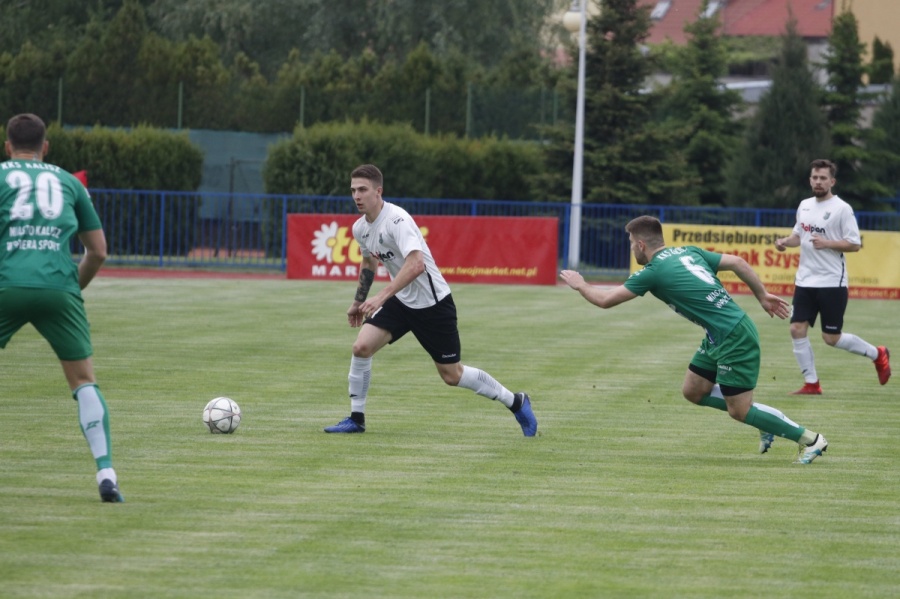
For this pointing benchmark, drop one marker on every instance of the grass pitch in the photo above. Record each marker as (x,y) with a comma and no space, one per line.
(628,491)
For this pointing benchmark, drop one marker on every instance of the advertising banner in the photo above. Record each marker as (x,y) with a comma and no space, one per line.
(471,249)
(873,269)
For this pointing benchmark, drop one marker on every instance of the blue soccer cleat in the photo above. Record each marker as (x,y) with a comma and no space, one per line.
(765,441)
(347,425)
(525,417)
(109,492)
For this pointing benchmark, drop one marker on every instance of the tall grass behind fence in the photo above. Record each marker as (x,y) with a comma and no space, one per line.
(249,231)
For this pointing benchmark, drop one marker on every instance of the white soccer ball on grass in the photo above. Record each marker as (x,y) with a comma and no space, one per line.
(222,415)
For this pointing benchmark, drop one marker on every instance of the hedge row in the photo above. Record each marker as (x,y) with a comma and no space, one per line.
(137,159)
(318,160)
(140,158)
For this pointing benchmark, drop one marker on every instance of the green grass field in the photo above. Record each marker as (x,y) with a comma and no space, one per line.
(628,491)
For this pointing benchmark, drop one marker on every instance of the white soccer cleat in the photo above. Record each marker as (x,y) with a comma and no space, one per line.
(810,452)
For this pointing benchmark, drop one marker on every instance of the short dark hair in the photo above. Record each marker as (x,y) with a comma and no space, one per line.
(648,229)
(822,163)
(26,132)
(370,172)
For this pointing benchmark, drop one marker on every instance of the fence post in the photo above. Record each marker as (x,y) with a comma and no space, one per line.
(59,101)
(302,103)
(543,110)
(427,109)
(180,103)
(555,105)
(162,229)
(284,230)
(469,110)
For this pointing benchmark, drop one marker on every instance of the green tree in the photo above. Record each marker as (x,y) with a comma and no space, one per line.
(29,80)
(51,21)
(205,82)
(884,146)
(101,70)
(628,158)
(843,102)
(267,31)
(788,130)
(701,110)
(881,69)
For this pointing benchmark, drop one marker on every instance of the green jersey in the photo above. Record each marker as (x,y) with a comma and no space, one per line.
(41,208)
(685,279)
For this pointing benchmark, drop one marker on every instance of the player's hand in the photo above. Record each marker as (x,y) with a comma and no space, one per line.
(369,307)
(776,306)
(820,243)
(354,316)
(779,244)
(572,278)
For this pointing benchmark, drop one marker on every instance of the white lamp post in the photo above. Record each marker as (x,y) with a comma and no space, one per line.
(575,20)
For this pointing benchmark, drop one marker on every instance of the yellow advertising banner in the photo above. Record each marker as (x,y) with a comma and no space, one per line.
(874,270)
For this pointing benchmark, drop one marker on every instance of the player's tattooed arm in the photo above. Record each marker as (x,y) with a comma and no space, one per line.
(366,277)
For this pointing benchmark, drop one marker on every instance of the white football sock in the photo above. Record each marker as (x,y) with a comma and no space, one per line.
(359,378)
(804,354)
(105,473)
(855,345)
(485,385)
(94,420)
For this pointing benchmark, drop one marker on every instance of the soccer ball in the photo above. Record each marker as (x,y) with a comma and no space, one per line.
(222,415)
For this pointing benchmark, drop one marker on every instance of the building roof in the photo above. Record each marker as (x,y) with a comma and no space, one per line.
(742,17)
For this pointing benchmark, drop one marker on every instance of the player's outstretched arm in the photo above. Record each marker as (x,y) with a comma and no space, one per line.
(772,304)
(603,298)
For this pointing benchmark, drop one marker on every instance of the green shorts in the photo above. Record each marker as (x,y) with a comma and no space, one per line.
(57,315)
(736,360)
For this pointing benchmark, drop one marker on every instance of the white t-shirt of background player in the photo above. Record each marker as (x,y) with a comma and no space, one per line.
(829,219)
(391,238)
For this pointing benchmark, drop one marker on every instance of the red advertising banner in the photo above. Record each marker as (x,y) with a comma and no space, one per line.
(470,249)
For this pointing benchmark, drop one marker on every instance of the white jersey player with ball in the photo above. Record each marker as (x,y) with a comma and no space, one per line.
(825,230)
(417,299)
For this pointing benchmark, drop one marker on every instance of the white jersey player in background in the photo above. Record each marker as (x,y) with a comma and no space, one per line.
(417,300)
(825,230)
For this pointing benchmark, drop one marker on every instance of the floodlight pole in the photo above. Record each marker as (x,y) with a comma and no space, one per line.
(578,162)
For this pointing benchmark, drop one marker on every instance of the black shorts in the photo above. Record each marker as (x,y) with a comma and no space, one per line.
(830,302)
(434,327)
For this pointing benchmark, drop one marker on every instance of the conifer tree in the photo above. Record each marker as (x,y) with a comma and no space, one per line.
(881,69)
(843,102)
(701,110)
(628,158)
(787,131)
(884,145)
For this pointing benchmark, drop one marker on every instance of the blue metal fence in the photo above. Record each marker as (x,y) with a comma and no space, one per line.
(249,231)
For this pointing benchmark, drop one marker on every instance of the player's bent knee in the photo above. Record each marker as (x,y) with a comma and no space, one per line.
(363,350)
(451,379)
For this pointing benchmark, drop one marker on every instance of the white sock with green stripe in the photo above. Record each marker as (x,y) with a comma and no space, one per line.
(94,419)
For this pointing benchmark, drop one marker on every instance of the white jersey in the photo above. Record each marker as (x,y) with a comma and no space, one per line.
(830,219)
(391,238)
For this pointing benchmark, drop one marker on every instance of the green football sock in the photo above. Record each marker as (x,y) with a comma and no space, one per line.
(769,422)
(711,401)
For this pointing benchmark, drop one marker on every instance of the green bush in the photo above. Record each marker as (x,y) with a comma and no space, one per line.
(138,159)
(317,161)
